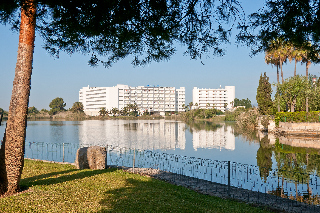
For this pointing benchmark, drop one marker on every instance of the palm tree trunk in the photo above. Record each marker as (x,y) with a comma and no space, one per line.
(295,68)
(278,73)
(281,70)
(15,133)
(307,68)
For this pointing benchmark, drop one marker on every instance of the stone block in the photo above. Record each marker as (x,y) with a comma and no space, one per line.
(93,157)
(271,126)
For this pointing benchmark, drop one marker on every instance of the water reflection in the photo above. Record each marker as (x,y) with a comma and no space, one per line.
(292,164)
(154,135)
(148,134)
(297,162)
(220,137)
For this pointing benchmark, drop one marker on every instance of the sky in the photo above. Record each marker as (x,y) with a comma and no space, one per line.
(64,77)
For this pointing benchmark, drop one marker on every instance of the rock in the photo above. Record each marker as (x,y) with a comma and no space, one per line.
(93,157)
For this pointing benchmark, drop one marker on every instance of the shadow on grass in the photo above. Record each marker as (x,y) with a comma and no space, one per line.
(60,177)
(157,196)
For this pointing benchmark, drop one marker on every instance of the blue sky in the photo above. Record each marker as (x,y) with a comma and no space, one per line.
(64,77)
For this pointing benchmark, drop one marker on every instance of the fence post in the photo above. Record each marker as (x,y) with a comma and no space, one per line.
(63,152)
(107,156)
(134,158)
(228,178)
(1,114)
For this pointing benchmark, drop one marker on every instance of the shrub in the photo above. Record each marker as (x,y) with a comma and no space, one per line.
(248,119)
(265,121)
(297,117)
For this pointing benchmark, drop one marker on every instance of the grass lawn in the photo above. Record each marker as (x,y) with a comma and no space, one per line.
(62,188)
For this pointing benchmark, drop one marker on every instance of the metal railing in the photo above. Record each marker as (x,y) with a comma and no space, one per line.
(59,152)
(231,174)
(224,172)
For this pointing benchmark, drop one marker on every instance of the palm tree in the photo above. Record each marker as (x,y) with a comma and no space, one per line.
(103,111)
(77,107)
(135,107)
(277,54)
(196,104)
(12,148)
(269,59)
(190,105)
(114,111)
(295,54)
(306,58)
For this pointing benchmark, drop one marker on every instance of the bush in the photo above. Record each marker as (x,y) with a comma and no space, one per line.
(248,119)
(297,117)
(232,116)
(200,114)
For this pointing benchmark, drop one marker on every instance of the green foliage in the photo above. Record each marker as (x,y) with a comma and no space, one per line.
(276,121)
(264,95)
(133,113)
(103,111)
(44,110)
(297,117)
(33,110)
(77,107)
(56,105)
(5,113)
(243,102)
(296,92)
(114,111)
(248,119)
(147,30)
(232,116)
(200,114)
(265,121)
(292,92)
(130,109)
(286,19)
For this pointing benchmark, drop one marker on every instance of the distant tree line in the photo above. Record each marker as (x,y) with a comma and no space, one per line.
(56,105)
(243,102)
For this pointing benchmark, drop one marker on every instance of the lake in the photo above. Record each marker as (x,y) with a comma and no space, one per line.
(216,143)
(263,163)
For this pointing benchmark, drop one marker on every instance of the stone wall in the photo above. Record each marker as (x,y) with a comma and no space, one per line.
(299,128)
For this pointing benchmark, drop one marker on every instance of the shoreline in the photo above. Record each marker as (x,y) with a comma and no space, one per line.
(271,202)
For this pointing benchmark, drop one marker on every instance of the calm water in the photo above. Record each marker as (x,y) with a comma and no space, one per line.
(286,166)
(217,142)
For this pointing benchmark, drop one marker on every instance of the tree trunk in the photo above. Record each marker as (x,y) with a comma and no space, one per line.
(295,68)
(278,83)
(278,73)
(281,71)
(12,149)
(293,103)
(307,68)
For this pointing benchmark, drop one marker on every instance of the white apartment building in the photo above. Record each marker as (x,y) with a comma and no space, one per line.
(152,99)
(217,98)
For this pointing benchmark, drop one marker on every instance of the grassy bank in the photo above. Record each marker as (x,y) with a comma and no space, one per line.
(62,188)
